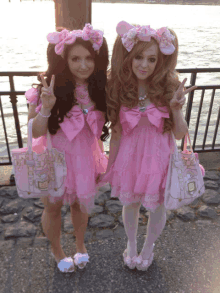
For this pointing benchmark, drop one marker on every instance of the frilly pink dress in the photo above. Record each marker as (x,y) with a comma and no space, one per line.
(140,168)
(78,136)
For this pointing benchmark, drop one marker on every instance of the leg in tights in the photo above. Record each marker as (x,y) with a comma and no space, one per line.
(130,215)
(155,226)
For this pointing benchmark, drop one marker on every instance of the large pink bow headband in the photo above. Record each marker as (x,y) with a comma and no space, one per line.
(130,35)
(69,37)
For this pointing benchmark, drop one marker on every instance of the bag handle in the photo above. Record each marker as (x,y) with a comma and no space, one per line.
(29,145)
(185,142)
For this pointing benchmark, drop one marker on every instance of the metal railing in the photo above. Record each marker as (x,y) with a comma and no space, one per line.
(194,71)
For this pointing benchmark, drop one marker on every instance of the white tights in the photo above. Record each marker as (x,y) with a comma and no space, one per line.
(156,224)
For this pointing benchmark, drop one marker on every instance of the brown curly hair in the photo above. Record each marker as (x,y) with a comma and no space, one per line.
(123,86)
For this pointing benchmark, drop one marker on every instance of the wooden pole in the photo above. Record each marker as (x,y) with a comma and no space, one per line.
(72,14)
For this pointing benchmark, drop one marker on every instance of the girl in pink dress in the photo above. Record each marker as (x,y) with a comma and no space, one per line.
(73,97)
(144,103)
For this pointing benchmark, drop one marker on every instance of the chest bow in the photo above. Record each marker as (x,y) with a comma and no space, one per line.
(130,118)
(73,125)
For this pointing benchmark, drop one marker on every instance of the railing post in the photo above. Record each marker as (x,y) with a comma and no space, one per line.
(72,14)
(13,99)
(190,101)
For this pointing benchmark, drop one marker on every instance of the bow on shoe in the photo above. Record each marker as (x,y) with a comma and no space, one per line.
(73,125)
(79,258)
(129,118)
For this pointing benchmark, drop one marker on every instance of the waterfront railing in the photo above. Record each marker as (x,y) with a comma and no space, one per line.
(213,147)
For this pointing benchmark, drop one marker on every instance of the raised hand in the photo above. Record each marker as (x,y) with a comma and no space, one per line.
(179,99)
(47,95)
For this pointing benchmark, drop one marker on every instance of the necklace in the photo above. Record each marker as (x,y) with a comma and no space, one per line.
(141,103)
(82,94)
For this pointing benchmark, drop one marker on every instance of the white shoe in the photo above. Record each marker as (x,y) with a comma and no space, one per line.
(142,264)
(128,261)
(81,259)
(65,265)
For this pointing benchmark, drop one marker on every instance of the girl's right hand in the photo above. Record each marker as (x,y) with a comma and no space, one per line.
(47,95)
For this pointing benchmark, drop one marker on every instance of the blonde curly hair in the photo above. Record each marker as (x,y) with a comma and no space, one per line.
(123,86)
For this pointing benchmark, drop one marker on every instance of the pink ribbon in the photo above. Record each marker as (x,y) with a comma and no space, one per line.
(72,126)
(69,37)
(129,118)
(130,35)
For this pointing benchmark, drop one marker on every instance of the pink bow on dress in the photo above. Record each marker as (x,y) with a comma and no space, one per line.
(72,126)
(129,118)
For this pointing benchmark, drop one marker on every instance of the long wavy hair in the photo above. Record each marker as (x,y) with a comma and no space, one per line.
(65,83)
(123,85)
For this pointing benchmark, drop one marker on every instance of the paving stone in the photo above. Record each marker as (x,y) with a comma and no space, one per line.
(211,197)
(64,210)
(186,213)
(143,209)
(102,198)
(105,188)
(34,215)
(1,228)
(21,229)
(211,175)
(170,215)
(113,206)
(195,203)
(88,236)
(38,203)
(12,207)
(9,192)
(10,218)
(102,221)
(104,234)
(211,185)
(68,226)
(120,220)
(96,210)
(119,232)
(2,200)
(207,212)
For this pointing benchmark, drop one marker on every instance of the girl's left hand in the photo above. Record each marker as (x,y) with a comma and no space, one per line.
(179,99)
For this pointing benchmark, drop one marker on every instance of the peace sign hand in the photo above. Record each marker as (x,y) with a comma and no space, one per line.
(179,99)
(47,95)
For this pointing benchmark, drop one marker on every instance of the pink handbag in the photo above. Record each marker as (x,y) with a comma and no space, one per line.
(185,177)
(39,174)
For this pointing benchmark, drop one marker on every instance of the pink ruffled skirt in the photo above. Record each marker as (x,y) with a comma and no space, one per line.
(140,169)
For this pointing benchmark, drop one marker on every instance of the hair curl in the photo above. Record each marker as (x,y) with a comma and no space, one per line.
(123,86)
(65,84)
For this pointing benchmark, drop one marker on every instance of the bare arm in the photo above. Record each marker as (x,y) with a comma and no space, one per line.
(180,126)
(40,124)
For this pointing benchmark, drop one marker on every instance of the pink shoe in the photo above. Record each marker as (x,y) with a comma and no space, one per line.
(128,261)
(143,265)
(65,265)
(81,259)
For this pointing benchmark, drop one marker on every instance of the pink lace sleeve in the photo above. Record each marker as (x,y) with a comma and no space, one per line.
(32,98)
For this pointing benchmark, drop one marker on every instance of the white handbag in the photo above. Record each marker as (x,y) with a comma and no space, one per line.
(39,174)
(184,179)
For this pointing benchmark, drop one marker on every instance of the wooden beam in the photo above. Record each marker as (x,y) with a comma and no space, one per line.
(72,14)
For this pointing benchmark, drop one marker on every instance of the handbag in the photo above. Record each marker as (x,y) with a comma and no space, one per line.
(39,174)
(184,181)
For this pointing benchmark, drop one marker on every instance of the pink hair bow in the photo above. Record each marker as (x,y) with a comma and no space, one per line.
(130,35)
(69,37)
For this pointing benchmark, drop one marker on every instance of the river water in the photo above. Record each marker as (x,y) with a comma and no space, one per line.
(23,48)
